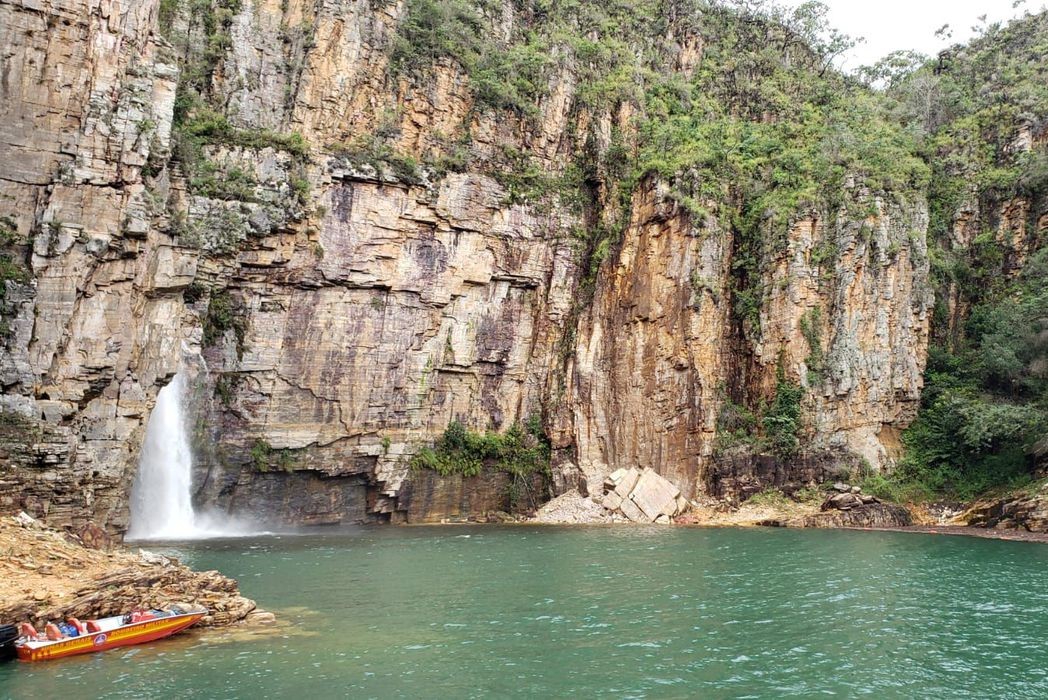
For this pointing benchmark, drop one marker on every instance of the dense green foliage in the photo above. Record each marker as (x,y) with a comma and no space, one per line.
(775,427)
(782,421)
(966,109)
(519,451)
(984,412)
(985,406)
(224,314)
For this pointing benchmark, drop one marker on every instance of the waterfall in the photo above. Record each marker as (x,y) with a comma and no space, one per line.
(161,497)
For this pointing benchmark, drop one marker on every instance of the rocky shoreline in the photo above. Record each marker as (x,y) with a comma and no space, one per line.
(52,575)
(1019,516)
(1010,535)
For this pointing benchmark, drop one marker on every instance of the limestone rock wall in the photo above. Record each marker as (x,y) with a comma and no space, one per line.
(659,354)
(847,311)
(369,301)
(86,98)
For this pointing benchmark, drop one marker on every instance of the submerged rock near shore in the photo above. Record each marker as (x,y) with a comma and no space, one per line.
(51,575)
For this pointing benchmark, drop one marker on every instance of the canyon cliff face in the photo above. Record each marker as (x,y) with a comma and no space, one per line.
(93,315)
(660,356)
(338,300)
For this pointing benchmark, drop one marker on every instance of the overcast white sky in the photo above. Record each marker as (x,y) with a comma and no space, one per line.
(889,25)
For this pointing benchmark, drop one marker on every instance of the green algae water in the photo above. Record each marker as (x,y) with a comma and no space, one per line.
(626,612)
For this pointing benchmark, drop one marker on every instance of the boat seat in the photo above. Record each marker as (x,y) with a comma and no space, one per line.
(142,616)
(27,630)
(92,626)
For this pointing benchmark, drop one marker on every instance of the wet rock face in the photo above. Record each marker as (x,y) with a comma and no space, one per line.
(297,498)
(426,497)
(376,304)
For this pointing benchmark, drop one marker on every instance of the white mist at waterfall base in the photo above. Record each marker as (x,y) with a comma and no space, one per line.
(162,495)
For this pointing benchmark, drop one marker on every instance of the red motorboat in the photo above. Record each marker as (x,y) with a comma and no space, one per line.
(75,637)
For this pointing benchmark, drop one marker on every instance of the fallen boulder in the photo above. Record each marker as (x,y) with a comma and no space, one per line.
(643,496)
(847,501)
(572,508)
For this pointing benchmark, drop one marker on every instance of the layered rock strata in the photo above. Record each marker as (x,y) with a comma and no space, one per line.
(339,304)
(660,354)
(1021,512)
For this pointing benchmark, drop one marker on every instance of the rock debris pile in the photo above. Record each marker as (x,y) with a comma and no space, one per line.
(572,508)
(846,497)
(850,507)
(629,495)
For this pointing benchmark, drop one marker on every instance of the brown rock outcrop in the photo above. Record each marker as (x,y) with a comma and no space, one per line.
(871,515)
(51,576)
(1024,512)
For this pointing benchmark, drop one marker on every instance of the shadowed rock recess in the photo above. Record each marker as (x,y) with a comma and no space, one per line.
(353,224)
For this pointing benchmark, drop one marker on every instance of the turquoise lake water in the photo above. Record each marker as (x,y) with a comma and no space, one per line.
(476,612)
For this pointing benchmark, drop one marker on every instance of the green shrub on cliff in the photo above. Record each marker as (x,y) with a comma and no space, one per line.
(519,451)
(207,126)
(507,77)
(13,268)
(782,421)
(264,458)
(224,314)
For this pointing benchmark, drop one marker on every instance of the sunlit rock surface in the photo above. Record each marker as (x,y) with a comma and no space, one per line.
(377,307)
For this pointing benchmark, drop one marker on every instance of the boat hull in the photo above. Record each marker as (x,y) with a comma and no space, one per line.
(138,633)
